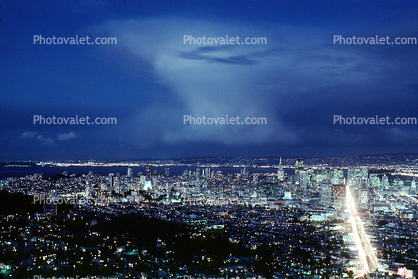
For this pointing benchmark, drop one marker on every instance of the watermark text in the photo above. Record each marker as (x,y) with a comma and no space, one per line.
(61,200)
(188,119)
(339,39)
(227,40)
(39,119)
(39,39)
(376,120)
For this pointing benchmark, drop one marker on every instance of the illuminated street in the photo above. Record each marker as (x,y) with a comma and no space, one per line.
(365,250)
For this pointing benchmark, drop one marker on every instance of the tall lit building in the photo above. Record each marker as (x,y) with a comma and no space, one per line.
(87,189)
(207,173)
(245,172)
(149,170)
(111,180)
(363,195)
(299,165)
(280,171)
(130,172)
(350,176)
(365,172)
(167,172)
(326,192)
(413,185)
(337,175)
(375,180)
(385,181)
(147,185)
(303,181)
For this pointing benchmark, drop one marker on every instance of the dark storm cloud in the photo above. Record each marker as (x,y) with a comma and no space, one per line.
(151,79)
(205,54)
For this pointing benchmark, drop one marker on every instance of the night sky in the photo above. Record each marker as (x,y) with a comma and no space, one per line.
(150,79)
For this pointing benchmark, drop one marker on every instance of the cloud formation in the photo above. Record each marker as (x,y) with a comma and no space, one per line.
(67,136)
(298,70)
(27,135)
(150,79)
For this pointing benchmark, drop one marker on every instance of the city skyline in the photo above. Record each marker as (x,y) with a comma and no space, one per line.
(311,223)
(156,73)
(208,139)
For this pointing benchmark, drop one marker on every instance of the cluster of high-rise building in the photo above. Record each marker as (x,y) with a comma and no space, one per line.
(372,239)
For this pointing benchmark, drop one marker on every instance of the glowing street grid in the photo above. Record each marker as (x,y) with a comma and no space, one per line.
(365,250)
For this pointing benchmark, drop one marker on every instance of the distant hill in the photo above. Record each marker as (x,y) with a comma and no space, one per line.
(225,161)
